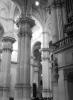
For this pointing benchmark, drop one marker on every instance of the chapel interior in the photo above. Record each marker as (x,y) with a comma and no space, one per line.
(36,49)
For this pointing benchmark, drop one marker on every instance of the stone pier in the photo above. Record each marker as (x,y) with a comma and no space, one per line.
(23,89)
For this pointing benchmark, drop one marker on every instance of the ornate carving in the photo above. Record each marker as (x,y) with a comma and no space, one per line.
(58,3)
(25,24)
(55,70)
(62,44)
(8,39)
(45,58)
(45,49)
(68,28)
(8,43)
(24,20)
(45,55)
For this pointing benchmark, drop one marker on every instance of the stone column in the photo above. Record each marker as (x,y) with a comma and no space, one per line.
(5,67)
(45,73)
(23,85)
(45,66)
(58,6)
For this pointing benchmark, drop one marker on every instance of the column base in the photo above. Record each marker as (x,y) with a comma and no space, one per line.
(22,92)
(4,93)
(45,93)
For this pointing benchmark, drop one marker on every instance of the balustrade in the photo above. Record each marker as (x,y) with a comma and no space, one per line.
(66,42)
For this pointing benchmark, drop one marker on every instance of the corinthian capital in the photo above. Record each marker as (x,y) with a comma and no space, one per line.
(25,20)
(25,24)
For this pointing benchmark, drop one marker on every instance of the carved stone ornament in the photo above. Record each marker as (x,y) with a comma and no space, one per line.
(7,38)
(7,45)
(24,20)
(25,25)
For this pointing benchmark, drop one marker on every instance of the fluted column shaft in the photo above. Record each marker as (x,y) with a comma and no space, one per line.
(23,85)
(5,66)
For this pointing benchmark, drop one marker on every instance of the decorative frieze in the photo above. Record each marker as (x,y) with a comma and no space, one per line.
(54,62)
(68,29)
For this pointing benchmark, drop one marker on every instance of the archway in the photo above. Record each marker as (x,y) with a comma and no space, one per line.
(37,69)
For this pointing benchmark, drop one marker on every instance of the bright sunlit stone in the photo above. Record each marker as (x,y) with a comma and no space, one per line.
(37,3)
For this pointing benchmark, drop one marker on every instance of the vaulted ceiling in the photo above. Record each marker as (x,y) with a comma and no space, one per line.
(13,9)
(10,11)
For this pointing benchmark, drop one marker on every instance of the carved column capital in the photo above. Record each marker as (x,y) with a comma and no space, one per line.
(58,3)
(7,43)
(24,20)
(45,54)
(25,24)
